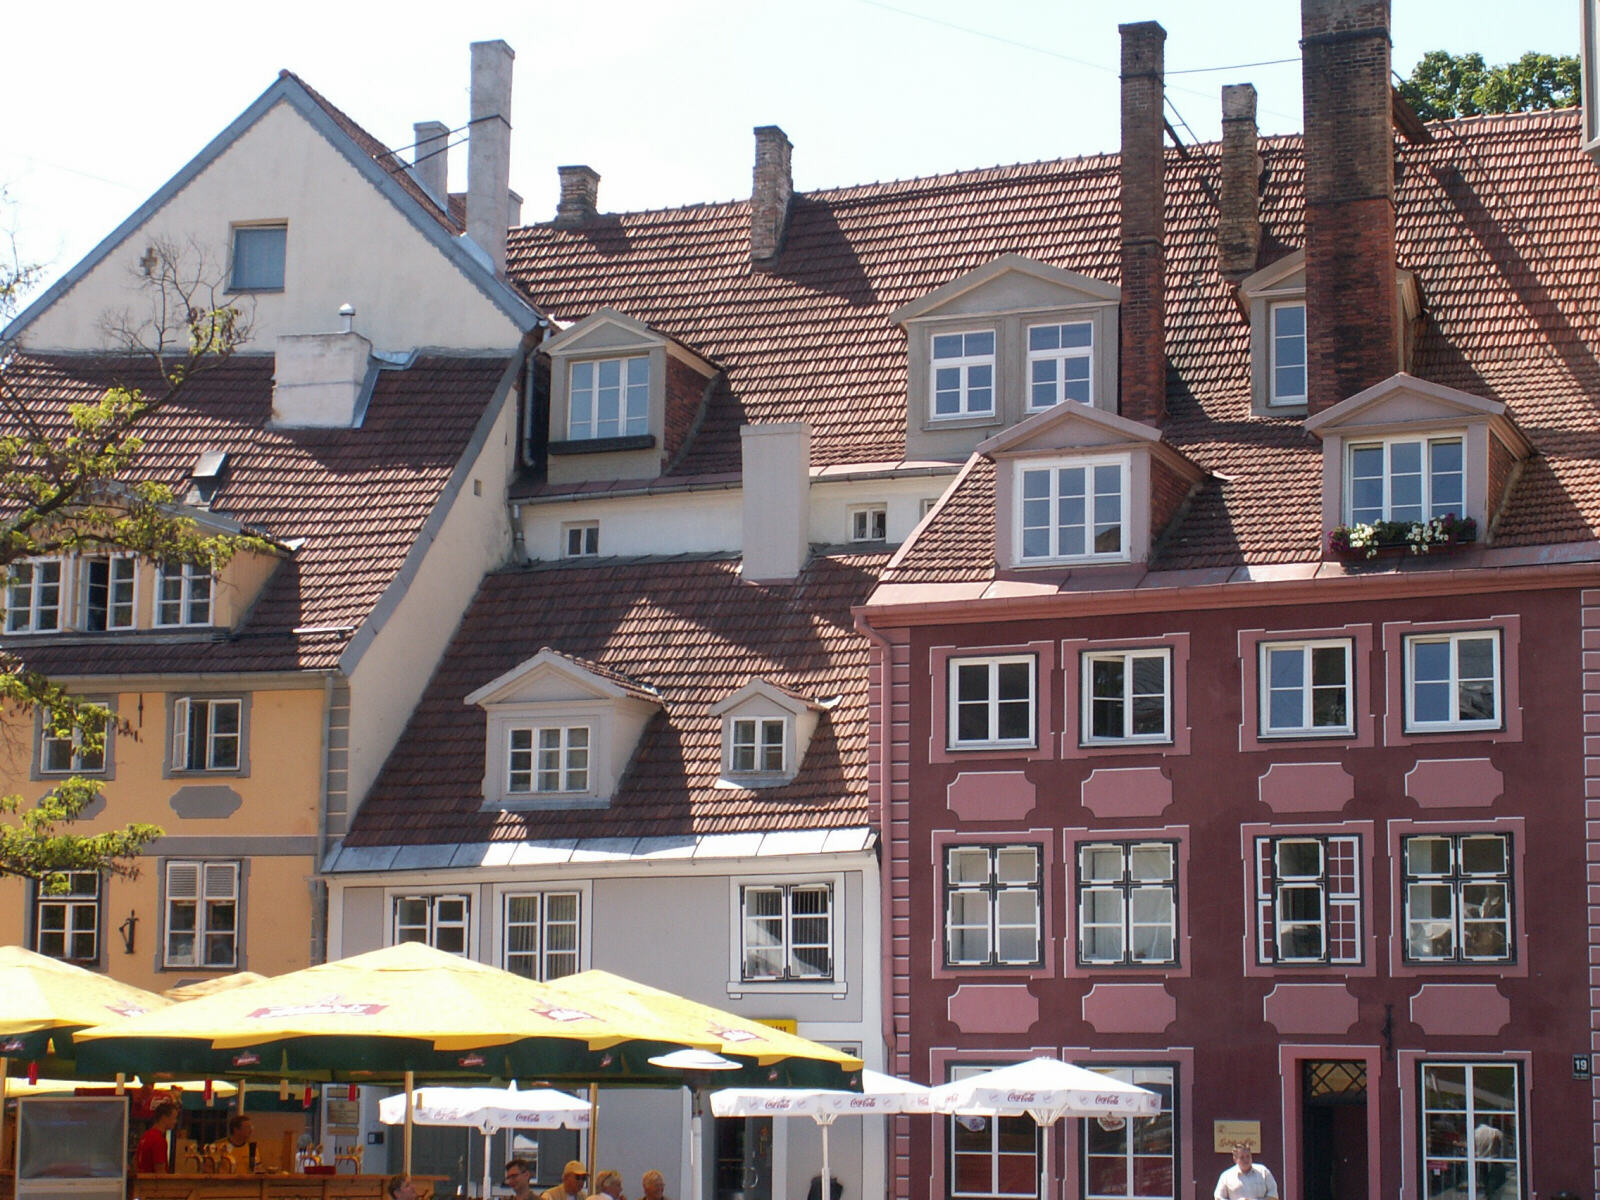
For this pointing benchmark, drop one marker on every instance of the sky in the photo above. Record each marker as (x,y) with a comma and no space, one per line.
(658,96)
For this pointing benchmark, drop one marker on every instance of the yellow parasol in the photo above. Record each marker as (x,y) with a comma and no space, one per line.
(54,1087)
(207,987)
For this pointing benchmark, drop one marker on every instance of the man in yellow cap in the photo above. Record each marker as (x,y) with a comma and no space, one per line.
(573,1176)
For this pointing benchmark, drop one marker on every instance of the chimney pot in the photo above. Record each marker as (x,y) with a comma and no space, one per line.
(771,192)
(489,151)
(347,317)
(430,164)
(1239,222)
(1143,359)
(580,196)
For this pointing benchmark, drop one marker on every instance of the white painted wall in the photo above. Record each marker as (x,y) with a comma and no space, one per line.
(346,243)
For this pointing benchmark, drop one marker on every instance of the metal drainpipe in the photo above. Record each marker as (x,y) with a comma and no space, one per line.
(319,885)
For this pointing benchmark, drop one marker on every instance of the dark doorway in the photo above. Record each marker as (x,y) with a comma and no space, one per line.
(1333,1129)
(743,1158)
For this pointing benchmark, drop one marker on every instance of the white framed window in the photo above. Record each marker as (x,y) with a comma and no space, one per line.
(963,374)
(580,539)
(1307,688)
(1453,681)
(1127,903)
(991,1158)
(1286,381)
(869,523)
(33,596)
(66,923)
(107,592)
(1308,899)
(1060,364)
(786,932)
(608,397)
(992,701)
(1404,479)
(1458,898)
(993,906)
(207,733)
(1133,1158)
(1471,1130)
(63,753)
(441,921)
(202,914)
(258,258)
(925,505)
(1127,696)
(1075,510)
(183,594)
(550,758)
(541,933)
(758,745)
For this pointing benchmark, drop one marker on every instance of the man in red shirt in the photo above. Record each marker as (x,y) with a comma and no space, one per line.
(151,1156)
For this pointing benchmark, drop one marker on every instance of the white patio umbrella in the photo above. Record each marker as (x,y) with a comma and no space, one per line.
(489,1110)
(879,1093)
(1045,1089)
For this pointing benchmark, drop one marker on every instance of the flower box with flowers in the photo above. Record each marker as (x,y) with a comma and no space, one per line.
(1369,540)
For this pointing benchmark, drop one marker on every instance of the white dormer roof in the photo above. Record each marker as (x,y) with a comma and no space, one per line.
(765,689)
(1044,285)
(552,676)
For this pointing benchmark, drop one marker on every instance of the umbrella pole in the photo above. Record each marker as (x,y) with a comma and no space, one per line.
(5,1066)
(827,1179)
(410,1083)
(594,1123)
(488,1144)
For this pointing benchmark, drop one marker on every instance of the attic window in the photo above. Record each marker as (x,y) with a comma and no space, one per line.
(1287,385)
(963,374)
(1060,364)
(869,523)
(610,398)
(766,730)
(1405,479)
(1073,509)
(258,257)
(757,746)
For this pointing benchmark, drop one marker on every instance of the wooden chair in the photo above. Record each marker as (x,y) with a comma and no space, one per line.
(351,1155)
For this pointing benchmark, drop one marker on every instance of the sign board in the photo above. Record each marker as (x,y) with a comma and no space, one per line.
(1581,1066)
(1225,1134)
(786,1024)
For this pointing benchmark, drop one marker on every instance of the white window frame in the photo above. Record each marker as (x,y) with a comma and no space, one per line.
(993,663)
(77,764)
(433,922)
(869,523)
(1125,889)
(1276,399)
(1127,657)
(235,284)
(1454,682)
(759,741)
(1163,1079)
(1333,904)
(580,539)
(184,731)
(1455,881)
(993,888)
(565,750)
(195,604)
(27,599)
(959,1071)
(122,571)
(203,928)
(1474,1168)
(1092,502)
(542,956)
(1387,445)
(79,908)
(1060,357)
(1306,728)
(788,946)
(629,423)
(964,363)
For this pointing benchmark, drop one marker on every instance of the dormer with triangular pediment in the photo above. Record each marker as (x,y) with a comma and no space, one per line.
(1012,338)
(766,731)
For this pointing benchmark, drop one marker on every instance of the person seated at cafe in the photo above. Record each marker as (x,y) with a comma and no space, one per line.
(519,1178)
(400,1187)
(609,1183)
(573,1176)
(150,1157)
(654,1185)
(239,1146)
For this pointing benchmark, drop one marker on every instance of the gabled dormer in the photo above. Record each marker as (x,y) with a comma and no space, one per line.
(766,731)
(560,731)
(1075,486)
(1407,450)
(1009,339)
(623,398)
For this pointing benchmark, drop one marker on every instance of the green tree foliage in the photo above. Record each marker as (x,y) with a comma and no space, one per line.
(1462,85)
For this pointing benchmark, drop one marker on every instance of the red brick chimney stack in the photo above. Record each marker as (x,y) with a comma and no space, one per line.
(1352,319)
(1143,352)
(771,191)
(1239,222)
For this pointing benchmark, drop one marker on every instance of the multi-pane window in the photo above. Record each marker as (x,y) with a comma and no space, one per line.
(1127,903)
(66,917)
(1288,353)
(1306,688)
(869,523)
(1060,363)
(1132,1158)
(992,1157)
(183,594)
(552,758)
(206,733)
(582,539)
(62,752)
(787,931)
(1405,479)
(258,257)
(1073,511)
(1308,899)
(609,398)
(1458,897)
(108,593)
(33,596)
(963,374)
(202,927)
(541,933)
(1127,696)
(991,701)
(1453,681)
(438,921)
(758,745)
(993,906)
(1471,1129)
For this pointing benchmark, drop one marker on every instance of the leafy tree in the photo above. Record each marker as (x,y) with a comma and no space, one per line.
(69,484)
(1462,85)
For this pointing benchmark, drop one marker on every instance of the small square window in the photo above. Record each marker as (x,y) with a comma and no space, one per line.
(541,934)
(206,734)
(183,594)
(581,538)
(549,759)
(869,523)
(758,746)
(62,752)
(1306,689)
(258,257)
(1127,696)
(442,922)
(992,701)
(1453,681)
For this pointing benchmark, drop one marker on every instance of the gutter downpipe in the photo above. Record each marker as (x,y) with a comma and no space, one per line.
(319,884)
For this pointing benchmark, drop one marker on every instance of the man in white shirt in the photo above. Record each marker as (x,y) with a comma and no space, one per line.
(1245,1180)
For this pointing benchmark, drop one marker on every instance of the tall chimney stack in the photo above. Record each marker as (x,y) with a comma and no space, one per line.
(430,165)
(1144,353)
(770,195)
(1352,318)
(777,501)
(580,196)
(1239,222)
(489,151)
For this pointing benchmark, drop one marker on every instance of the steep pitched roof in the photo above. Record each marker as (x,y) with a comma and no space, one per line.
(690,629)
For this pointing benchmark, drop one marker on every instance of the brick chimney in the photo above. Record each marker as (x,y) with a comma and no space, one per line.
(489,151)
(769,199)
(580,196)
(1144,353)
(429,160)
(1239,222)
(1352,318)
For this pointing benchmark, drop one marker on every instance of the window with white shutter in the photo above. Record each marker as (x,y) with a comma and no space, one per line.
(202,914)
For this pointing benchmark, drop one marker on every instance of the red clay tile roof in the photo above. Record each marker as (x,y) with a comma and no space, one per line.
(687,627)
(358,497)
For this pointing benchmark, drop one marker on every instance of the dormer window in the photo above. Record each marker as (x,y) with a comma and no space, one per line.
(108,593)
(1072,509)
(766,730)
(1060,364)
(1287,381)
(758,746)
(33,596)
(183,594)
(610,397)
(547,759)
(1405,479)
(963,374)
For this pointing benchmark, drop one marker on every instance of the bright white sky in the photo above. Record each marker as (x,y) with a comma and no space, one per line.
(659,96)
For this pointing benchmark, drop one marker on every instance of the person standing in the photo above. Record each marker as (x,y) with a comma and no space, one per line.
(573,1177)
(1246,1179)
(150,1157)
(238,1146)
(519,1178)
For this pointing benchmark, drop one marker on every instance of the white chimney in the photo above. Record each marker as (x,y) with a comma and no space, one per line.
(777,499)
(489,151)
(430,161)
(319,380)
